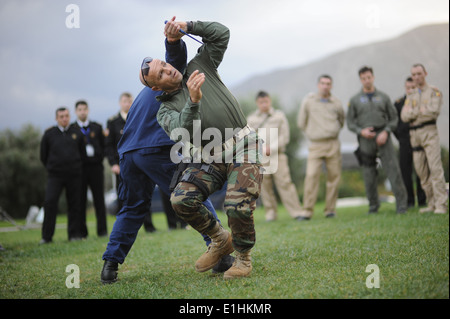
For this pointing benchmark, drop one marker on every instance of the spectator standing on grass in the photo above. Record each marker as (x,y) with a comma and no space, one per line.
(61,152)
(321,118)
(372,118)
(406,152)
(422,108)
(267,117)
(113,133)
(93,175)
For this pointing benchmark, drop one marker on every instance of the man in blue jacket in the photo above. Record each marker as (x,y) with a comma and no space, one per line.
(144,152)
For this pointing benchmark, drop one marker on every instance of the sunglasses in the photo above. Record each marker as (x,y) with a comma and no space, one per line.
(145,68)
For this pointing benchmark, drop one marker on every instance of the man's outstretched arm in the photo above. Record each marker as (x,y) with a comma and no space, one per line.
(176,52)
(215,37)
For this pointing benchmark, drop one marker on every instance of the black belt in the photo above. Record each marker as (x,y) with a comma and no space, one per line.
(422,125)
(418,149)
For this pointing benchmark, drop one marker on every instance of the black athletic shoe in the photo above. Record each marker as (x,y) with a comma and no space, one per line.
(109,272)
(223,265)
(45,241)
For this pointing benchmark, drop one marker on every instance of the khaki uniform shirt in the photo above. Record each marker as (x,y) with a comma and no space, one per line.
(425,106)
(320,119)
(272,119)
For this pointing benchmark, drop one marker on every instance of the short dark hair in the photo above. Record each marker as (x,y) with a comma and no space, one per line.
(421,65)
(365,69)
(83,102)
(125,94)
(324,76)
(262,94)
(61,109)
(409,79)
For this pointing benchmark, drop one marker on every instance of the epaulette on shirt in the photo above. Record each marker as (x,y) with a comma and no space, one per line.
(94,123)
(114,117)
(436,91)
(49,128)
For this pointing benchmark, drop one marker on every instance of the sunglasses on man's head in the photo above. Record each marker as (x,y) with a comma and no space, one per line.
(145,68)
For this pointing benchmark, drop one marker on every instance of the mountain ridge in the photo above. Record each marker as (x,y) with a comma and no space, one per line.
(391,60)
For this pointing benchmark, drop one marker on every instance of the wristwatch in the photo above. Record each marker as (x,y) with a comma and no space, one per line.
(190,26)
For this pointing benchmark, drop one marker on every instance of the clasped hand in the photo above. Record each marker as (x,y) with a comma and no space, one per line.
(172,30)
(369,133)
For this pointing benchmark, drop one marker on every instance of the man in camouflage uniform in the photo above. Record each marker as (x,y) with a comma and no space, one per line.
(372,117)
(199,94)
(145,162)
(421,109)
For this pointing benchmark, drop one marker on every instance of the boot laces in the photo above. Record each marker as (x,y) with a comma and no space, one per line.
(211,246)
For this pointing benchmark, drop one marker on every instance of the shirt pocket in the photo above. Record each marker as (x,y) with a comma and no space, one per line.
(379,108)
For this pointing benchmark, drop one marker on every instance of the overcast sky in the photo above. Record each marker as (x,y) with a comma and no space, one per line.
(45,63)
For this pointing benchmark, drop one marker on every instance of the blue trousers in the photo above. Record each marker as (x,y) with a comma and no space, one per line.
(140,171)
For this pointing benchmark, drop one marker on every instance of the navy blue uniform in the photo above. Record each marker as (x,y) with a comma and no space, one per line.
(144,152)
(114,131)
(115,126)
(406,158)
(61,153)
(93,175)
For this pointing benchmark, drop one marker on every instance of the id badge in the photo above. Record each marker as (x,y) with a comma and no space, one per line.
(90,150)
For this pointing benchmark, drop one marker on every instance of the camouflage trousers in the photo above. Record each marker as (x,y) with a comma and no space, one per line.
(243,188)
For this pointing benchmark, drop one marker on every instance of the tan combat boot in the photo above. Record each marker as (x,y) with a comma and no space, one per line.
(242,266)
(428,209)
(219,247)
(441,210)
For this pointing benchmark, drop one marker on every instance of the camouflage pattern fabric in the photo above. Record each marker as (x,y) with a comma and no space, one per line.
(244,185)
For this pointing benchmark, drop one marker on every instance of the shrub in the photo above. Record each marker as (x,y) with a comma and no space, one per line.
(22,175)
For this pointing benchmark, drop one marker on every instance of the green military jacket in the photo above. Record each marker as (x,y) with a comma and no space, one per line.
(218,108)
(377,112)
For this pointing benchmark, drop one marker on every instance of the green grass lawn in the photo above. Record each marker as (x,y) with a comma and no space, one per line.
(320,258)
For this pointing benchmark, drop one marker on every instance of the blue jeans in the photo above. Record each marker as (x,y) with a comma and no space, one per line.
(140,171)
